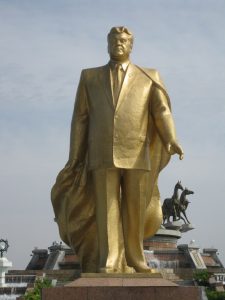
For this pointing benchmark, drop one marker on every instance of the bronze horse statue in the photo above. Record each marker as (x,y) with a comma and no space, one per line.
(170,205)
(183,205)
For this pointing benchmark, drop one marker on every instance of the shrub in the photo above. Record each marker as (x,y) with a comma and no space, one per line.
(214,295)
(35,294)
(202,277)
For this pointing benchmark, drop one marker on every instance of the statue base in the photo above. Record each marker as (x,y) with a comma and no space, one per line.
(186,227)
(175,225)
(121,286)
(179,226)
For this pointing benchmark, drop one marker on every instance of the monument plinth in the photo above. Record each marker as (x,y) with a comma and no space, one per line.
(121,286)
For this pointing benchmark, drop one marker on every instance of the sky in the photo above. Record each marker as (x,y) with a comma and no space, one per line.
(44,47)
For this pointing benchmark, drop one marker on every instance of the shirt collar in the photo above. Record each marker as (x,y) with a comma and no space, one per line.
(124,64)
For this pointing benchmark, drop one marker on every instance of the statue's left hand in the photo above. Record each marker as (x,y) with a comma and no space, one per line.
(173,148)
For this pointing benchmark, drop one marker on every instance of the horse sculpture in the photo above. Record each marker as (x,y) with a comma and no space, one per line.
(183,204)
(170,205)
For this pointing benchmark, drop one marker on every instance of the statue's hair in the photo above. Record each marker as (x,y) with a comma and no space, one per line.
(120,29)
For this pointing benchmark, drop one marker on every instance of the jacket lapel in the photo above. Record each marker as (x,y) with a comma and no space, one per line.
(129,76)
(106,84)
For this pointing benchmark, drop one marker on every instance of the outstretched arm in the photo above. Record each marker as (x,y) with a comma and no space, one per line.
(164,121)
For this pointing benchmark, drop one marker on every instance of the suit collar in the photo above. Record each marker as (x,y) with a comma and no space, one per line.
(124,65)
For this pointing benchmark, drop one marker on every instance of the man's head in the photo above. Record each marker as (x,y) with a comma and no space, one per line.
(120,42)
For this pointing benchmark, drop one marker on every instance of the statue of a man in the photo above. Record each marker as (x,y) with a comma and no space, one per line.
(106,199)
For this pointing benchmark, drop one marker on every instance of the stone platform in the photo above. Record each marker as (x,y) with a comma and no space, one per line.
(121,286)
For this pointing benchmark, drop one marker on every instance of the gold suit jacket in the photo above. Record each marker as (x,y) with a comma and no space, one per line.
(116,136)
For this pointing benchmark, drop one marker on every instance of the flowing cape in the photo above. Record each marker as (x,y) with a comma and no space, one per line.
(74,205)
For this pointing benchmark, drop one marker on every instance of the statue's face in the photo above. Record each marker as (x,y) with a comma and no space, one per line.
(119,46)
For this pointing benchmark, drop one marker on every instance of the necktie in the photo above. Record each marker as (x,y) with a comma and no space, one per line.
(117,81)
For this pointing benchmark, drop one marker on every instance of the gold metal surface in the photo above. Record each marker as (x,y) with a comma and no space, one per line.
(106,199)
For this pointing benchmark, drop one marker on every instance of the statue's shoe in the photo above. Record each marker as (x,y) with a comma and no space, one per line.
(123,269)
(145,269)
(107,270)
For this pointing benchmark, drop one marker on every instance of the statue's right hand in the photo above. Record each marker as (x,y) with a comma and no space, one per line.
(173,148)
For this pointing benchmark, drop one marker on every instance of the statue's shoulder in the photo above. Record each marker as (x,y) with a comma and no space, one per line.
(150,72)
(93,71)
(153,74)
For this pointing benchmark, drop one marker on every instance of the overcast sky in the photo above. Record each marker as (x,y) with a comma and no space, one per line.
(44,46)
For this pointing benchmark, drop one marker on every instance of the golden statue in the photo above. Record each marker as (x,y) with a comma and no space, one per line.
(106,199)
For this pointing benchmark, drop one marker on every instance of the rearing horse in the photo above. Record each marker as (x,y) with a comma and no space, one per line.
(183,205)
(170,205)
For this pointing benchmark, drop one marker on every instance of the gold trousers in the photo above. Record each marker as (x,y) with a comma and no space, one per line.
(120,196)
